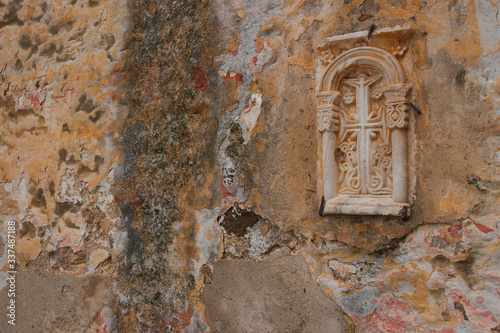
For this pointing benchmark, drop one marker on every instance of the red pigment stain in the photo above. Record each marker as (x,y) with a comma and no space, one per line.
(132,198)
(117,76)
(483,228)
(233,53)
(34,99)
(259,50)
(391,316)
(104,326)
(178,319)
(237,76)
(225,192)
(455,231)
(111,93)
(118,199)
(200,79)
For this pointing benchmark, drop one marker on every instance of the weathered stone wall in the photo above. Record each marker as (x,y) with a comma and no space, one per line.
(160,161)
(61,123)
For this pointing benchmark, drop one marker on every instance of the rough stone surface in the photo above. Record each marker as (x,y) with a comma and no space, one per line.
(274,295)
(129,131)
(56,303)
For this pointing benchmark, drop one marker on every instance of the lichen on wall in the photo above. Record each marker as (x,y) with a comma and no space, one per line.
(159,159)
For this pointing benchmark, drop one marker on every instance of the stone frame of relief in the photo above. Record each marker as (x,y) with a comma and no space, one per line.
(363,119)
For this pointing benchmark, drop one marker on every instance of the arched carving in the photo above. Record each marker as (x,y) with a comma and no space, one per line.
(367,57)
(362,111)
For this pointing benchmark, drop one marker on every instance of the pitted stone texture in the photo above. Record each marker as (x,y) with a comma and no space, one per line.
(55,303)
(274,295)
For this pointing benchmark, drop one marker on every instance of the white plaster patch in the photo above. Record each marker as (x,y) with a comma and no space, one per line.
(66,236)
(123,299)
(8,187)
(71,188)
(487,72)
(474,236)
(491,271)
(328,282)
(403,287)
(22,195)
(440,277)
(486,75)
(119,240)
(248,117)
(108,320)
(208,239)
(197,324)
(106,201)
(259,244)
(426,241)
(362,303)
(489,26)
(342,269)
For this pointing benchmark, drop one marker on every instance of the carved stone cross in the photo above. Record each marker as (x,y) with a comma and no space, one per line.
(364,130)
(364,148)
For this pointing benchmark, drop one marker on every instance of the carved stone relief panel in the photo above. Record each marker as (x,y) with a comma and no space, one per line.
(362,110)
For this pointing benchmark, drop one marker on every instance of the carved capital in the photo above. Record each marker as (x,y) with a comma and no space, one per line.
(397,93)
(396,105)
(397,115)
(328,120)
(328,115)
(326,98)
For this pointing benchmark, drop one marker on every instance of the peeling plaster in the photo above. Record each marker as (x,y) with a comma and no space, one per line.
(130,132)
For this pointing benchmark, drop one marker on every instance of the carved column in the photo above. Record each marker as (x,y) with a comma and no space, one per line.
(328,121)
(396,107)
